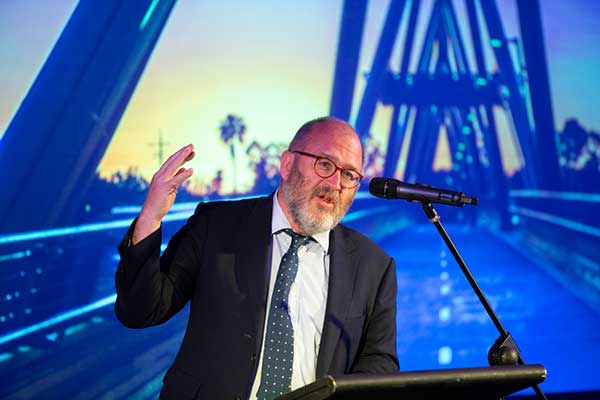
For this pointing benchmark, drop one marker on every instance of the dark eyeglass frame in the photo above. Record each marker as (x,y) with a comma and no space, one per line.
(337,168)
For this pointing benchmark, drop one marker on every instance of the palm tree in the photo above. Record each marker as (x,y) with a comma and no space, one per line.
(231,128)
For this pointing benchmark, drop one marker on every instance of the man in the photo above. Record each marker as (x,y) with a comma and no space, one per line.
(280,293)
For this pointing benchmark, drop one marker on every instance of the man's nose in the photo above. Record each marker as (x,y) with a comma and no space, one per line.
(336,179)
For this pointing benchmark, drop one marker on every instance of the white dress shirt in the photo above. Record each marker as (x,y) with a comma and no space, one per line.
(307,301)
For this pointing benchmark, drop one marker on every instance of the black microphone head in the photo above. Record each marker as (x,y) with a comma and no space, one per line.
(380,187)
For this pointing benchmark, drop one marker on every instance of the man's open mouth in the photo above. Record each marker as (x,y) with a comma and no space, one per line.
(327,199)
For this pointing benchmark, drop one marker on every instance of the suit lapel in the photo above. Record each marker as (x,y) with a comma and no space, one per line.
(342,274)
(252,255)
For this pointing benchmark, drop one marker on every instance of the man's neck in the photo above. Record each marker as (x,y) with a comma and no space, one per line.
(286,211)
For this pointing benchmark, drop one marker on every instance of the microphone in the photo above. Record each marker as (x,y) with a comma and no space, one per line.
(389,188)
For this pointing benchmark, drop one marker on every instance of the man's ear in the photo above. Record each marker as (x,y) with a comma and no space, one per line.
(285,165)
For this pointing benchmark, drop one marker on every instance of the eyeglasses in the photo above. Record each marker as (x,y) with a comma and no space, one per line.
(325,168)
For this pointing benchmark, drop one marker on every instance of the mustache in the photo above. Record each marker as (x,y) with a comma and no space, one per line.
(327,191)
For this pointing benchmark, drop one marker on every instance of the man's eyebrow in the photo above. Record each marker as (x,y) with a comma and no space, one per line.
(343,165)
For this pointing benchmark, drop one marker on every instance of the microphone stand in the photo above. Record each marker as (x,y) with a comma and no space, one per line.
(504,351)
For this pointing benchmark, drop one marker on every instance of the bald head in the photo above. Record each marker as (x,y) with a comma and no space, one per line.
(324,126)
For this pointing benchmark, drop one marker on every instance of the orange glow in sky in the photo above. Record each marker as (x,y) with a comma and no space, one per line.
(205,66)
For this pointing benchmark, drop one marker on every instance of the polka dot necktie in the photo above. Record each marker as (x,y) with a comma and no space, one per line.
(276,373)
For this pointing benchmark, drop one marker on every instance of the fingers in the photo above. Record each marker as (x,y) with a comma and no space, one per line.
(191,156)
(165,182)
(181,176)
(176,160)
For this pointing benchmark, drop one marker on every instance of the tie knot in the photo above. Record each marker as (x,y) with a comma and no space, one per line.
(297,239)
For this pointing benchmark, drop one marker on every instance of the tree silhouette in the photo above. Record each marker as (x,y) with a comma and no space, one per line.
(231,128)
(265,162)
(579,157)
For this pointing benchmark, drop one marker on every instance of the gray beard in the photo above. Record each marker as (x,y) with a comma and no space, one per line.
(299,206)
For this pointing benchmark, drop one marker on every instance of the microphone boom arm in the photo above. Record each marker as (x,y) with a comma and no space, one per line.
(504,350)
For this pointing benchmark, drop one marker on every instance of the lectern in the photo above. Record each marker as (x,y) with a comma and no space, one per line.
(486,383)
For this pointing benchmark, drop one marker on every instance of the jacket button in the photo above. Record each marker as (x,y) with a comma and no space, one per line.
(253,357)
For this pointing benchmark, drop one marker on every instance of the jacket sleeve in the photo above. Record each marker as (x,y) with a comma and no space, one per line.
(378,352)
(152,288)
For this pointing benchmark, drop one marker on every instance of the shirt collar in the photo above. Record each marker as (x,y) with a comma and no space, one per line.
(280,222)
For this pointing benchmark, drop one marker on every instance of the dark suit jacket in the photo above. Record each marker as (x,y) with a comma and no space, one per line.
(220,261)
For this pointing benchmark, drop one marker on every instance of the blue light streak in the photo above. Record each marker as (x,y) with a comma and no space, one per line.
(75,328)
(553,219)
(70,230)
(57,319)
(148,14)
(188,205)
(177,216)
(546,194)
(136,209)
(15,256)
(365,213)
(74,230)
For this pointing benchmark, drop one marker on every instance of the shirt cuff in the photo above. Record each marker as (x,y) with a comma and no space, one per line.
(135,254)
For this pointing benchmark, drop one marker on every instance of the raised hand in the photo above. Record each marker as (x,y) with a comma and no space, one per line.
(162,192)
